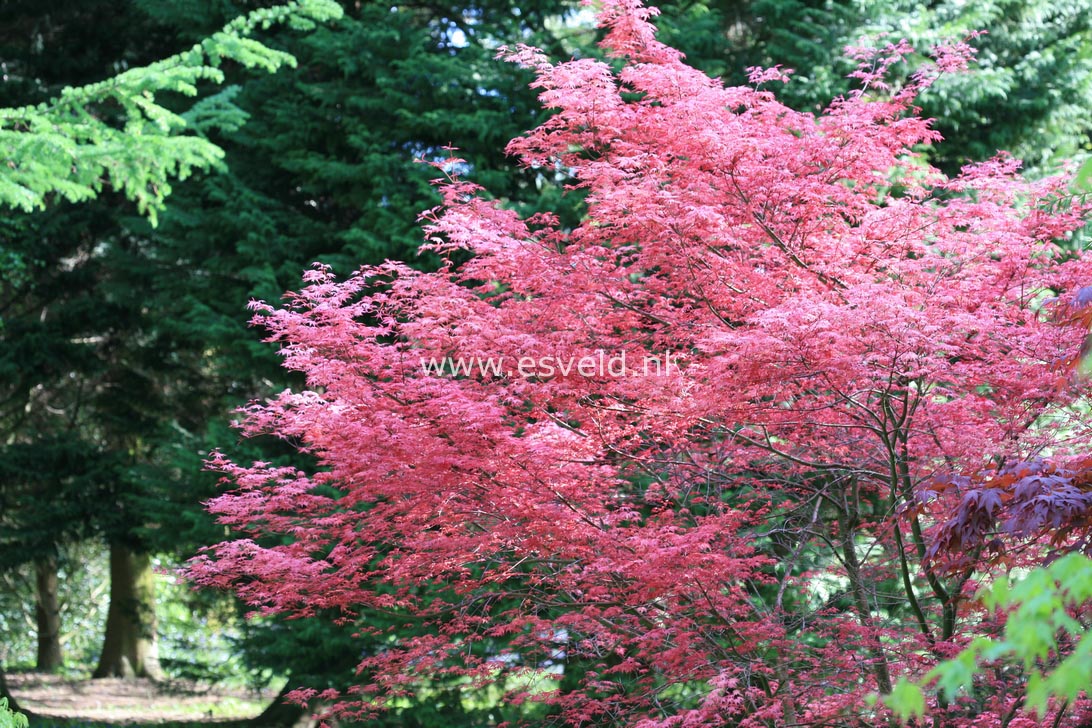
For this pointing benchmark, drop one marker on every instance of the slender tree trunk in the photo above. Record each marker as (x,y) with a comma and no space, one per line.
(48,609)
(129,647)
(860,600)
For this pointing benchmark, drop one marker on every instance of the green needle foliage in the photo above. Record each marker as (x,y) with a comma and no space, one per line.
(129,344)
(69,149)
(85,379)
(325,169)
(72,393)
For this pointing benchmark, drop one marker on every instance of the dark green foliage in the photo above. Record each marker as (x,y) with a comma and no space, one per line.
(325,169)
(131,341)
(1030,89)
(1028,94)
(725,38)
(92,387)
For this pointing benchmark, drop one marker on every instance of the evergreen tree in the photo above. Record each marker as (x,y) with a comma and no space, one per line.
(326,169)
(84,375)
(146,326)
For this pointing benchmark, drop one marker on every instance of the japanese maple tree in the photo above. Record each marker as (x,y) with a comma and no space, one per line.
(742,538)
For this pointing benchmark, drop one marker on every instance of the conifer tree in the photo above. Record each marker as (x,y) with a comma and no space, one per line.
(323,167)
(327,167)
(74,396)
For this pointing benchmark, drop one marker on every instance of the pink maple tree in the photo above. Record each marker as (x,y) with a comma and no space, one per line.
(746,536)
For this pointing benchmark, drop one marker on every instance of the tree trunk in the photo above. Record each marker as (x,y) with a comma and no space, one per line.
(48,609)
(860,600)
(129,647)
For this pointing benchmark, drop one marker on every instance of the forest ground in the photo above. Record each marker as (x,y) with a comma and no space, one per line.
(116,701)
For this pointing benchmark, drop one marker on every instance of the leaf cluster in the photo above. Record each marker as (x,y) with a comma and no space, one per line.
(115,133)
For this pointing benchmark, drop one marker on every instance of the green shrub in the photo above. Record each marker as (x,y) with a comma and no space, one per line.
(9,718)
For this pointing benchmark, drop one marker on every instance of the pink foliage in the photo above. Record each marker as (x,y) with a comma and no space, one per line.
(852,329)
